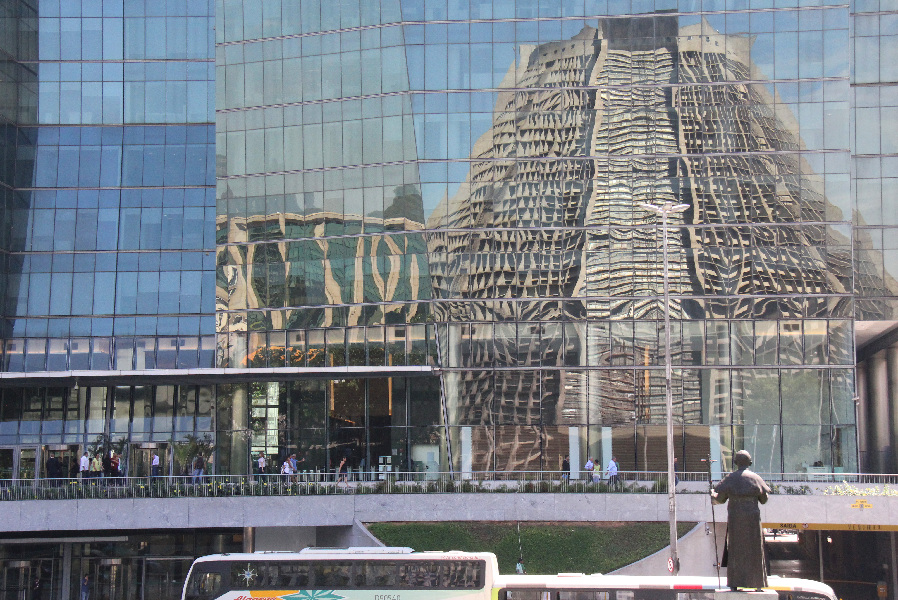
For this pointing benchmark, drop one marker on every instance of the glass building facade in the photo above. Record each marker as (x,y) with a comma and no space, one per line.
(410,233)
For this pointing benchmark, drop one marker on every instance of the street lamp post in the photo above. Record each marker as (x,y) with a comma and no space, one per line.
(664,210)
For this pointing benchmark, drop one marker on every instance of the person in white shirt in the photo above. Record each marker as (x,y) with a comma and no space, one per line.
(155,464)
(263,464)
(84,466)
(611,471)
(589,467)
(287,469)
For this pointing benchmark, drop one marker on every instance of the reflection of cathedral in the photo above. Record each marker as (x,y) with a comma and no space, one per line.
(584,130)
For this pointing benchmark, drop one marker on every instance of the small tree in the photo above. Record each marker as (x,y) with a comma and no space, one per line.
(190,447)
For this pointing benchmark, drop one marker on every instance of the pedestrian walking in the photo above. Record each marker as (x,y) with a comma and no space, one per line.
(84,467)
(611,471)
(199,468)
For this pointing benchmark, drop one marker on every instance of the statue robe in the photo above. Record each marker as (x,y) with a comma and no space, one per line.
(744,490)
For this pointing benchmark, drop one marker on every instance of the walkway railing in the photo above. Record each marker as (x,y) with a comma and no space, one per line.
(328,483)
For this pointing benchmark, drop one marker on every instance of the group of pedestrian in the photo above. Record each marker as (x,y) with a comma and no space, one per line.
(290,467)
(611,471)
(102,465)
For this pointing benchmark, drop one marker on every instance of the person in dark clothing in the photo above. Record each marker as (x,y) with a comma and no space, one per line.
(54,469)
(107,465)
(566,467)
(199,468)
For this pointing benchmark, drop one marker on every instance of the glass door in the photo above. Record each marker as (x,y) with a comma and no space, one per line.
(7,463)
(15,578)
(142,459)
(18,462)
(163,579)
(27,462)
(113,579)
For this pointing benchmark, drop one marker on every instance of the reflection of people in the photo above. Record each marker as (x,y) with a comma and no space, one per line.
(745,539)
(85,588)
(519,568)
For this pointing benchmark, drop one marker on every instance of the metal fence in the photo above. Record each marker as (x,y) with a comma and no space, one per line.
(491,482)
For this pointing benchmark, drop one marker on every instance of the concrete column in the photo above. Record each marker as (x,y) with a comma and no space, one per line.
(65,586)
(892,456)
(249,539)
(467,452)
(861,413)
(879,410)
(893,571)
(573,449)
(714,439)
(607,451)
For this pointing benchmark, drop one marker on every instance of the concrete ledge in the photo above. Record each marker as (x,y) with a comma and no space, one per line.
(875,512)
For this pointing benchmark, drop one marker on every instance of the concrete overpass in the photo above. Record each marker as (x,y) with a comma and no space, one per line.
(860,513)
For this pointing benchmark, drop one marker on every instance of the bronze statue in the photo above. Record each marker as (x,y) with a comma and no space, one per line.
(745,539)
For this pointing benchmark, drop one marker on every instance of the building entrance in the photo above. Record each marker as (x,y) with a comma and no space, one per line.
(68,457)
(112,579)
(16,580)
(27,580)
(141,460)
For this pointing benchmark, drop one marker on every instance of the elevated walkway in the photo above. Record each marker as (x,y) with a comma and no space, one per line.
(848,512)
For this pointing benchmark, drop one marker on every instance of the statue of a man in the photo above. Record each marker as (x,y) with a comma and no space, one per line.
(745,539)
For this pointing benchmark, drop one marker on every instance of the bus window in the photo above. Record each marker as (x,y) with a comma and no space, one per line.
(645,594)
(583,595)
(382,575)
(420,574)
(528,595)
(204,585)
(332,575)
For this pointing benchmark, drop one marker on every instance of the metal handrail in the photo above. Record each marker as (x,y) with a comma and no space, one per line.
(373,482)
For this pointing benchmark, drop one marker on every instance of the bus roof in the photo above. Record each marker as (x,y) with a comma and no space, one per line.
(370,553)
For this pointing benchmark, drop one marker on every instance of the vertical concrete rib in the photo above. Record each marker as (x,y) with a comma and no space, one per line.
(879,410)
(891,456)
(864,462)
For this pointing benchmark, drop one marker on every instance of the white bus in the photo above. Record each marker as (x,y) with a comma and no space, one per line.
(401,574)
(343,574)
(577,586)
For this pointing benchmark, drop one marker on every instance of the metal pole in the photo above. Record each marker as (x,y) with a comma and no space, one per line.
(820,552)
(664,210)
(671,476)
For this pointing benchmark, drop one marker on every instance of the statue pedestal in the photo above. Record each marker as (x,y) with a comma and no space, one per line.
(745,595)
